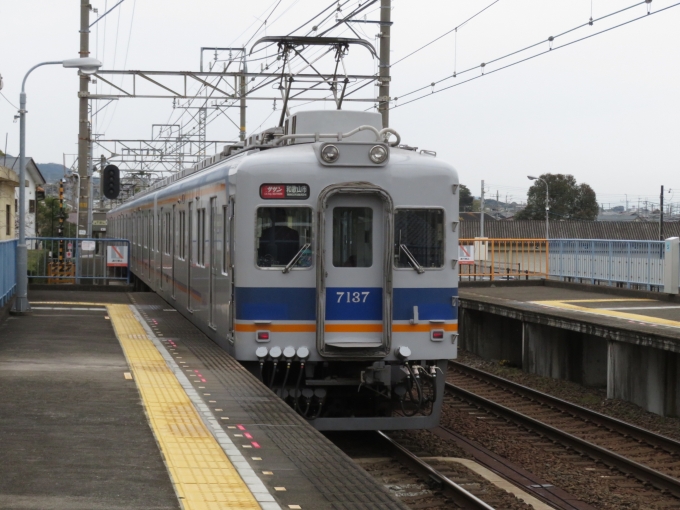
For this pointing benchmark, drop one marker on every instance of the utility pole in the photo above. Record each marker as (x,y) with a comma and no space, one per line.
(661,215)
(384,64)
(84,229)
(481,209)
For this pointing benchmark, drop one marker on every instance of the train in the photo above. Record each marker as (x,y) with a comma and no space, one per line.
(322,255)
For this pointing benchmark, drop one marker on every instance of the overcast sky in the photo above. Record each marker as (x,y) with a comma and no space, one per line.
(605,109)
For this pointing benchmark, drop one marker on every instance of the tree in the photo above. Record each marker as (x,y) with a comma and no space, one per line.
(47,218)
(568,200)
(466,198)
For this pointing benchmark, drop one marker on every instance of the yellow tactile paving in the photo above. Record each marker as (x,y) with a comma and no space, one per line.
(566,305)
(203,476)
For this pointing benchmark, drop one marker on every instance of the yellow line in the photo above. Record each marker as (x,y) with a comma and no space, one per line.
(203,476)
(610,313)
(599,300)
(76,303)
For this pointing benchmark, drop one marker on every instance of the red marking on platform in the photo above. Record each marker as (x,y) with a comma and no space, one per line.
(255,445)
(203,380)
(247,434)
(240,427)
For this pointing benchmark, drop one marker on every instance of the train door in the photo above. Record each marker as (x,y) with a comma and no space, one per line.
(212,261)
(356,274)
(150,265)
(232,210)
(161,245)
(190,255)
(172,251)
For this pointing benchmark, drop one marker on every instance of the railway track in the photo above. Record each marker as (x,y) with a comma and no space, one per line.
(649,457)
(420,482)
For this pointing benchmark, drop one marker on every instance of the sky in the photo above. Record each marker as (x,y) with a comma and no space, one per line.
(604,109)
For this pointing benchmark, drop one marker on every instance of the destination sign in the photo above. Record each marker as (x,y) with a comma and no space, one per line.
(284,191)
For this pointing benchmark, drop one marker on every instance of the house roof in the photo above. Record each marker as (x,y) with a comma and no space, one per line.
(475,216)
(535,229)
(31,168)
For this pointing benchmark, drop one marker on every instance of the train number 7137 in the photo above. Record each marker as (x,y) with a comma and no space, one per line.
(352,297)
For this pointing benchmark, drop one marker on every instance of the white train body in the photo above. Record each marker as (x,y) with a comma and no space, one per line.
(348,267)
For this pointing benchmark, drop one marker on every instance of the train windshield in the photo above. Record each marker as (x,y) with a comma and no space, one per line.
(419,238)
(281,233)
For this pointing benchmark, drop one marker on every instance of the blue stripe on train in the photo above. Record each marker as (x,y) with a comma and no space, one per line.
(299,303)
(276,303)
(435,304)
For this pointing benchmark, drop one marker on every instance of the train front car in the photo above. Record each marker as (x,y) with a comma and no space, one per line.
(346,273)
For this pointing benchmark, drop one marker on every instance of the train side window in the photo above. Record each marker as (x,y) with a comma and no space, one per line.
(419,233)
(182,234)
(281,234)
(352,237)
(200,256)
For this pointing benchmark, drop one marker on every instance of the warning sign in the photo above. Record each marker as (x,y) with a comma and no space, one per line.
(116,256)
(466,254)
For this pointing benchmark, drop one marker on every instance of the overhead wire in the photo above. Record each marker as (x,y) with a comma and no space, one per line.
(446,33)
(551,49)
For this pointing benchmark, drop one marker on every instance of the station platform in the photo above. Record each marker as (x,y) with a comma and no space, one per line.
(638,314)
(115,401)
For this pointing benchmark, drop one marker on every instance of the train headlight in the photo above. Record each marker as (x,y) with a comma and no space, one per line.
(330,153)
(378,154)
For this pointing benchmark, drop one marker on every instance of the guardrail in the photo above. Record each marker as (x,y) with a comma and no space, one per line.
(8,270)
(67,260)
(631,264)
(502,259)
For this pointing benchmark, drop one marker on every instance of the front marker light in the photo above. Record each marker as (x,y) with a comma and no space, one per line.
(330,153)
(378,154)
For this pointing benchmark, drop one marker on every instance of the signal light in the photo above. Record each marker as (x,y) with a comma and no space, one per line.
(437,335)
(263,336)
(111,181)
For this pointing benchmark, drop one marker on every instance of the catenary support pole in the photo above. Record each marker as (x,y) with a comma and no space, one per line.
(661,216)
(384,64)
(242,92)
(84,126)
(481,213)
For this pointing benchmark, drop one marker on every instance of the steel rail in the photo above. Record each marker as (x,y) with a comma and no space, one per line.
(641,472)
(668,444)
(451,489)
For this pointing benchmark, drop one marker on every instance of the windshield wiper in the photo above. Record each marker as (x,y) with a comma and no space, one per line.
(414,263)
(294,260)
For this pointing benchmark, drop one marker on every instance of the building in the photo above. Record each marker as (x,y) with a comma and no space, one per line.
(34,179)
(9,180)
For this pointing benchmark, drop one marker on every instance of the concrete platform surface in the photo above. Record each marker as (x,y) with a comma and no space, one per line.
(114,400)
(73,433)
(637,313)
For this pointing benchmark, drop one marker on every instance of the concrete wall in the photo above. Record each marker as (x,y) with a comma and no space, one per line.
(563,354)
(490,336)
(645,376)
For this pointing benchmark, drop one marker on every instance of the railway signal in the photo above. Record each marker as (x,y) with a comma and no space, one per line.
(111,179)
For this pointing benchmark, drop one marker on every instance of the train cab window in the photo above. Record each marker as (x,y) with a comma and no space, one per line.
(283,234)
(352,237)
(419,238)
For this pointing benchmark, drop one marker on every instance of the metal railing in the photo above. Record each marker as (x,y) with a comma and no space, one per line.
(8,270)
(502,259)
(633,264)
(83,261)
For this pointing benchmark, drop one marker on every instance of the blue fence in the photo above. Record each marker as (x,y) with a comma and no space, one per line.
(87,261)
(8,270)
(631,264)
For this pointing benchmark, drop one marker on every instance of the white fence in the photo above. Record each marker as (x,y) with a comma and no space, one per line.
(632,264)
